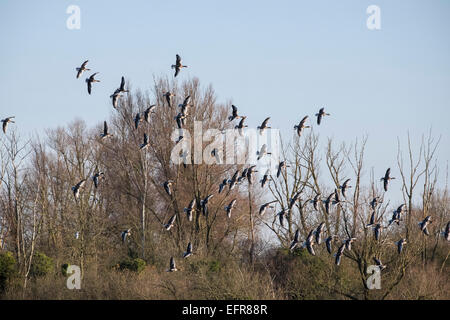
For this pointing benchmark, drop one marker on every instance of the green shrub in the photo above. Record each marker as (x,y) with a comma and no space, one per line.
(7,268)
(136,265)
(41,265)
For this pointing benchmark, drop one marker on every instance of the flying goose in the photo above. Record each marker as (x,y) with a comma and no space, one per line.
(339,254)
(262,152)
(148,112)
(180,117)
(423,225)
(328,242)
(170,223)
(315,202)
(121,89)
(190,209)
(89,82)
(178,65)
(204,204)
(263,208)
(318,232)
(77,187)
(301,126)
(265,178)
(281,216)
(294,199)
(185,105)
(386,178)
(327,203)
(348,243)
(223,185)
(396,216)
(241,125)
(188,250)
(282,165)
(250,172)
(344,187)
(377,231)
(137,119)
(233,181)
(374,202)
(96,178)
(125,234)
(6,121)
(167,184)
(400,245)
(105,133)
(146,143)
(309,242)
(168,95)
(372,219)
(295,240)
(82,68)
(446,232)
(172,266)
(321,114)
(230,207)
(263,126)
(234,113)
(115,98)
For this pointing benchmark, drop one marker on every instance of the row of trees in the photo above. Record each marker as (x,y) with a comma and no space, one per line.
(39,214)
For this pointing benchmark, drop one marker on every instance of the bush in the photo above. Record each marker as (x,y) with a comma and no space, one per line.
(41,265)
(64,268)
(136,265)
(7,268)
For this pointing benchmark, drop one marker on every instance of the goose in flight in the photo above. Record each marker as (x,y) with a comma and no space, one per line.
(233,181)
(319,232)
(185,105)
(396,216)
(91,80)
(234,113)
(223,185)
(77,187)
(282,165)
(125,234)
(309,242)
(170,223)
(261,153)
(137,119)
(328,242)
(281,216)
(230,207)
(377,231)
(301,126)
(265,178)
(190,208)
(204,204)
(178,65)
(321,114)
(400,245)
(386,179)
(115,98)
(327,203)
(372,219)
(315,202)
(172,266)
(339,254)
(379,264)
(263,208)
(168,95)
(188,251)
(96,178)
(241,125)
(122,89)
(295,240)
(145,144)
(344,187)
(148,112)
(167,186)
(424,224)
(250,172)
(348,243)
(294,199)
(5,123)
(374,202)
(83,68)
(105,133)
(263,126)
(180,117)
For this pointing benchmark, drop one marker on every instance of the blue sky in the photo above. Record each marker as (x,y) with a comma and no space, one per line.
(283,59)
